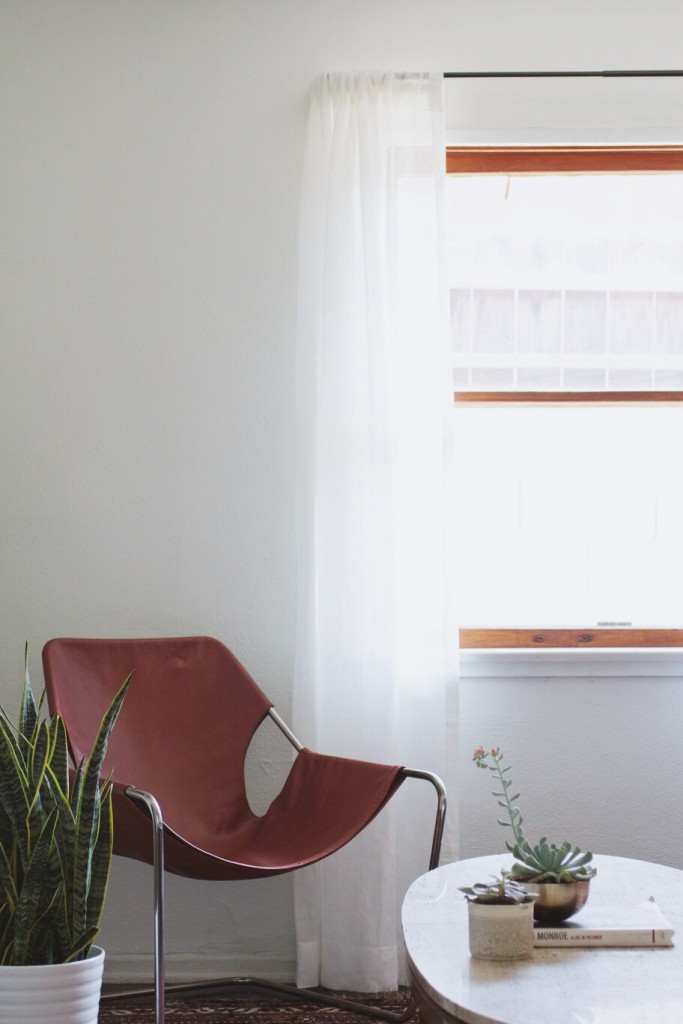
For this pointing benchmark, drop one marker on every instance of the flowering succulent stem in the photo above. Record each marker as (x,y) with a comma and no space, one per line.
(544,862)
(504,799)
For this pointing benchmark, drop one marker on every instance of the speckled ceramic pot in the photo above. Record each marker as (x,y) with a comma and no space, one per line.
(501,932)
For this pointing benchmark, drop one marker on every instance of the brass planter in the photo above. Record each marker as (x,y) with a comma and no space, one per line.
(557,901)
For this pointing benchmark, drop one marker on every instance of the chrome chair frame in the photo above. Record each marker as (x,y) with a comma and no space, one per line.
(160,988)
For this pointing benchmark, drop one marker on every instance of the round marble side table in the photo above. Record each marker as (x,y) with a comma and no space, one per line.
(566,986)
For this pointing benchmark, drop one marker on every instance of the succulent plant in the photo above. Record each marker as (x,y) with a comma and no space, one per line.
(547,862)
(502,891)
(544,861)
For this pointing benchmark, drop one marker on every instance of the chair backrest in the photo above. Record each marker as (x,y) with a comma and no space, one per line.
(186,722)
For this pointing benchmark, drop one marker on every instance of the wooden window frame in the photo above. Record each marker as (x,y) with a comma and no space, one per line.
(509,160)
(563,159)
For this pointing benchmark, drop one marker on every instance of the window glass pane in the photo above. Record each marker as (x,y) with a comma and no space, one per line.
(585,322)
(461,319)
(619,379)
(669,380)
(539,318)
(493,321)
(538,378)
(495,379)
(669,323)
(631,322)
(578,273)
(584,380)
(570,516)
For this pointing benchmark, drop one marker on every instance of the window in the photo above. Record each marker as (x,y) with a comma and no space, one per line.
(567,318)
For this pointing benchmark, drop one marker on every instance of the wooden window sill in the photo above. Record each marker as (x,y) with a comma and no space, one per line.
(544,639)
(604,397)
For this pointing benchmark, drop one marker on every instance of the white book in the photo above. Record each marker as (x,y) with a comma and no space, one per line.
(639,925)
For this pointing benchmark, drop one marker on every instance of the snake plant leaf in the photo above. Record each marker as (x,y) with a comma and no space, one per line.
(8,889)
(59,869)
(42,946)
(59,798)
(31,905)
(59,752)
(14,792)
(61,937)
(88,812)
(80,949)
(38,759)
(75,786)
(8,900)
(56,789)
(6,831)
(101,864)
(87,827)
(28,715)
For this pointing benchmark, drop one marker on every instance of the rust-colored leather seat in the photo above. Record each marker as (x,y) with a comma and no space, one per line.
(177,754)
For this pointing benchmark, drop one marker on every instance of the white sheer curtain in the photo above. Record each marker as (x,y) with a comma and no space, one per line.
(376,660)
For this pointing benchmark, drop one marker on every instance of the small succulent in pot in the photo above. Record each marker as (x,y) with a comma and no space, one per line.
(500,919)
(543,864)
(502,891)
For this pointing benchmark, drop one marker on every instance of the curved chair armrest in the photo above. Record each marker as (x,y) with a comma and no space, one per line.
(407,773)
(441,803)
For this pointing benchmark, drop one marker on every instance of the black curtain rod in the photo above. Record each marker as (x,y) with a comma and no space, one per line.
(564,74)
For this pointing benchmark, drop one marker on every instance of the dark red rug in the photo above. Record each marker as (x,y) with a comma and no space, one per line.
(229,1009)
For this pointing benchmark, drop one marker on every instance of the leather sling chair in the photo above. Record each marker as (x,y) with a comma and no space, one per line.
(176,758)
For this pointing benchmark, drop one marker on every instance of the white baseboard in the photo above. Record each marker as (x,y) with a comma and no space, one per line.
(135,969)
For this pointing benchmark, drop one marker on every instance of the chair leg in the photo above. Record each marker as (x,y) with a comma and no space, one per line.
(158,853)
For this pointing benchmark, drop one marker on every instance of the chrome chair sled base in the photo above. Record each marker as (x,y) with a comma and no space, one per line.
(196,683)
(160,988)
(309,995)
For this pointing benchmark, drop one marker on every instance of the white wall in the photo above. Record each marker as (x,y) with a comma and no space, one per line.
(592,741)
(150,165)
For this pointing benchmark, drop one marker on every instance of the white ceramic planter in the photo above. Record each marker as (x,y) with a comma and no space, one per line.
(501,932)
(52,993)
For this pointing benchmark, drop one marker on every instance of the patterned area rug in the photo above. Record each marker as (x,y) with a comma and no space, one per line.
(228,1009)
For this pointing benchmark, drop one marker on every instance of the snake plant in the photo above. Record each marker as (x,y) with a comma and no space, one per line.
(543,862)
(55,836)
